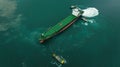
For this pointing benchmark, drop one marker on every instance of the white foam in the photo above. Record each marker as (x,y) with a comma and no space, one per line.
(90,12)
(86,24)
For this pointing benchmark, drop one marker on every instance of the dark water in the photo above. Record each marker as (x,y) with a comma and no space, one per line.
(22,22)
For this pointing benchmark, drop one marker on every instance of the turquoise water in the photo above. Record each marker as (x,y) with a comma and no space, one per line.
(95,45)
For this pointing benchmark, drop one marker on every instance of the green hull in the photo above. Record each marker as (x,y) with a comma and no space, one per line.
(57,28)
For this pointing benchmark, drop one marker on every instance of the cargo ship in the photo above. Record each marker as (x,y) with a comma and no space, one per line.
(61,26)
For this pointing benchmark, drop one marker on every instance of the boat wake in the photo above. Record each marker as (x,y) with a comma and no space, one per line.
(89,21)
(55,63)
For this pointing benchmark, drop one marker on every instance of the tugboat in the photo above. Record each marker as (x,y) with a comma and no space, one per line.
(64,24)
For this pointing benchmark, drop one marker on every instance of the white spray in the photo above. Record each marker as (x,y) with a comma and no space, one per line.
(90,12)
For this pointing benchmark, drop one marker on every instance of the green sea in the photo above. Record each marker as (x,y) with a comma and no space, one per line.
(22,22)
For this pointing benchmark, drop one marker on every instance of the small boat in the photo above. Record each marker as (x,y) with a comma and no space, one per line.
(60,59)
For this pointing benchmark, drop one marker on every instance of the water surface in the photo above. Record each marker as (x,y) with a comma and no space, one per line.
(95,45)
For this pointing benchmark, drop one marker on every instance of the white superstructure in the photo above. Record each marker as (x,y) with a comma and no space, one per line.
(76,12)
